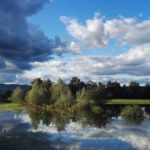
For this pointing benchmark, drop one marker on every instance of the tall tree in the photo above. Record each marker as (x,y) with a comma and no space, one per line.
(134,90)
(146,91)
(114,89)
(18,95)
(38,94)
(75,85)
(61,94)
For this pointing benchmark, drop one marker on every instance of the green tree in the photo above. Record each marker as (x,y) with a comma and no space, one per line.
(75,85)
(134,90)
(90,84)
(91,99)
(47,84)
(146,91)
(38,94)
(38,81)
(114,89)
(61,94)
(18,95)
(97,95)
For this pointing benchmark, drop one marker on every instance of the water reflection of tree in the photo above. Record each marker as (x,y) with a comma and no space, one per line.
(147,110)
(47,118)
(134,121)
(95,120)
(60,121)
(133,114)
(87,118)
(37,115)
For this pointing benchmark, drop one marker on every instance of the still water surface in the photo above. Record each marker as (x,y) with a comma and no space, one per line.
(28,130)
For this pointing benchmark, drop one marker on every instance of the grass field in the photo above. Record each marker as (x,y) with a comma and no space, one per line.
(11,106)
(129,101)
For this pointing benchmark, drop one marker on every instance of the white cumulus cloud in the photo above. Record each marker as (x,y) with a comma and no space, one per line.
(97,32)
(133,65)
(93,34)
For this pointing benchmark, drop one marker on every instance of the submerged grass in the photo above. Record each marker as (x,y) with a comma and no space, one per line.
(129,101)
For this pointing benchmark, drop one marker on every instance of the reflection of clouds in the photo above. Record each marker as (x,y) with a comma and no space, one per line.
(73,130)
(10,121)
(139,142)
(116,132)
(117,135)
(6,115)
(7,120)
(77,137)
(138,136)
(24,117)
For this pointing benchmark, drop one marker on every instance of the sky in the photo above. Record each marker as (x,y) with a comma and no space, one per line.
(98,40)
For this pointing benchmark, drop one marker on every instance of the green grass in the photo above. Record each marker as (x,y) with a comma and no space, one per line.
(129,101)
(11,106)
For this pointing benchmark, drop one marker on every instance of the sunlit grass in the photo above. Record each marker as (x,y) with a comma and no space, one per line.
(129,101)
(11,106)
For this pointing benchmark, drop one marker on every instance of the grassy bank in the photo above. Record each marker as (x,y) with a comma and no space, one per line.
(129,101)
(11,106)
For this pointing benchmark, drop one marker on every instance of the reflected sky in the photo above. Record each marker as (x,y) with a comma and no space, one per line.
(117,134)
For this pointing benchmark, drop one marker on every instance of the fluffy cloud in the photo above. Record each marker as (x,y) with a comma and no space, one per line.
(133,65)
(129,30)
(93,34)
(134,62)
(97,31)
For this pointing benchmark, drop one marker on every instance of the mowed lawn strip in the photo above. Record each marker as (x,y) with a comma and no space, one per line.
(10,106)
(129,101)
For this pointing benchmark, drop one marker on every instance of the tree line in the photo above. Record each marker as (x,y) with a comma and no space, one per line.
(49,92)
(79,98)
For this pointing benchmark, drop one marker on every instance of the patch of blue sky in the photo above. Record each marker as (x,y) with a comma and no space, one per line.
(48,17)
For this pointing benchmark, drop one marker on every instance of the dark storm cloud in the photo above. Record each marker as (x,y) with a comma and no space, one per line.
(7,77)
(2,64)
(21,42)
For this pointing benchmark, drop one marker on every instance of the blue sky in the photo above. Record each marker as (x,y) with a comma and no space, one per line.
(48,17)
(97,40)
